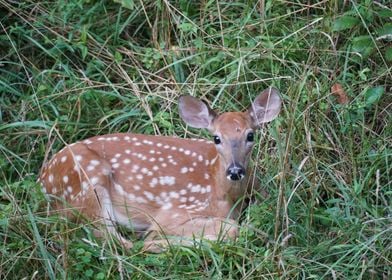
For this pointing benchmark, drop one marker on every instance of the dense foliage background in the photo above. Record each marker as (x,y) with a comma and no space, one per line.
(78,68)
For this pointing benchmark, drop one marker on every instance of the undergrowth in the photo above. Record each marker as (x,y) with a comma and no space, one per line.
(322,210)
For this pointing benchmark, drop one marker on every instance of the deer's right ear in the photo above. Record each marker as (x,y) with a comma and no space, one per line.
(265,107)
(195,113)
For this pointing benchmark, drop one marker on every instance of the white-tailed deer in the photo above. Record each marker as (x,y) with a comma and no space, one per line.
(155,184)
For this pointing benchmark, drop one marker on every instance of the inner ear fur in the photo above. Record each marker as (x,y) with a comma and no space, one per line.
(265,107)
(195,113)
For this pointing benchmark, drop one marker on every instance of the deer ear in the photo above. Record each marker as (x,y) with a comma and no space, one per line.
(265,107)
(195,113)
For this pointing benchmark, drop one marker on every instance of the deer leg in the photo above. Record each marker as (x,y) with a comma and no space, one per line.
(108,218)
(90,192)
(209,228)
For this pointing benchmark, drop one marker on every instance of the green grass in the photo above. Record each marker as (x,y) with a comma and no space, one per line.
(74,69)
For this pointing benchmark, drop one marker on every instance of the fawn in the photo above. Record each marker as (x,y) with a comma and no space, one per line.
(186,188)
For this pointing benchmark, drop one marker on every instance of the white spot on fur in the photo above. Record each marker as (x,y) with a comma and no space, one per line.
(183,191)
(167,180)
(150,196)
(90,168)
(174,195)
(153,182)
(65,179)
(105,171)
(135,168)
(184,170)
(94,180)
(195,188)
(167,206)
(214,160)
(140,199)
(119,189)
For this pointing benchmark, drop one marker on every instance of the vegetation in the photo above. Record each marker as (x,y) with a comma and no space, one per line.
(73,69)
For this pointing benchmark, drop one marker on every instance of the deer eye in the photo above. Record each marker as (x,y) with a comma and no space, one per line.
(217,140)
(250,137)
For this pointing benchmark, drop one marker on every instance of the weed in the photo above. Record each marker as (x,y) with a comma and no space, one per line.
(74,69)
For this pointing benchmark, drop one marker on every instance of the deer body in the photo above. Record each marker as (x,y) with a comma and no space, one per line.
(181,187)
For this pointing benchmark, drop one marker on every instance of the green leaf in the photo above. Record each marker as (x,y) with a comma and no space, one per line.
(372,95)
(83,35)
(83,50)
(187,27)
(385,31)
(117,56)
(363,45)
(88,273)
(388,54)
(198,42)
(129,4)
(344,22)
(385,13)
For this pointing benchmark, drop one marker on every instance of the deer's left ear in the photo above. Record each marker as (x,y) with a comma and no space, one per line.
(265,107)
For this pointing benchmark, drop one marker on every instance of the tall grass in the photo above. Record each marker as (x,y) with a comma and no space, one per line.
(74,69)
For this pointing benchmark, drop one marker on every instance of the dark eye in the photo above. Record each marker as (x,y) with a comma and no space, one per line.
(250,137)
(217,140)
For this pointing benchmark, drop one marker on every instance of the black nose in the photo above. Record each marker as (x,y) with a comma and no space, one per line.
(235,172)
